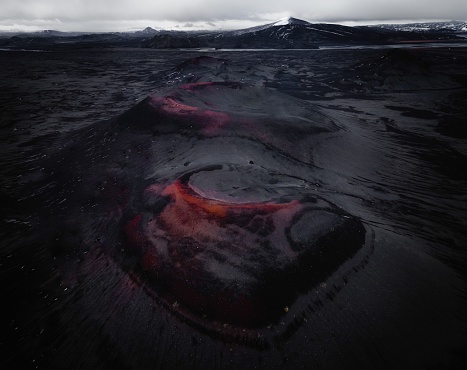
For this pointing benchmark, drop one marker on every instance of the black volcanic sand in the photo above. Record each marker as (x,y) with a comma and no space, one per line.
(290,209)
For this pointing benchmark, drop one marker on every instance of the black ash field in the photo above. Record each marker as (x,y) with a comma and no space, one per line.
(223,210)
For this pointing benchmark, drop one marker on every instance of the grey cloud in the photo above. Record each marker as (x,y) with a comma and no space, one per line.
(85,12)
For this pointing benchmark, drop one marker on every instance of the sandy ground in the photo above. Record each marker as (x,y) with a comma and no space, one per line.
(286,209)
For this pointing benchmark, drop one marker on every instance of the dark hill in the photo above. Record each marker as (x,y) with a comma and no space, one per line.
(169,41)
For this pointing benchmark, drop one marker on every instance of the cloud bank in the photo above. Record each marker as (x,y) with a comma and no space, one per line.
(123,14)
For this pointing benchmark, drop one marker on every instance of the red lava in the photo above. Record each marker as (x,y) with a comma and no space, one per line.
(192,246)
(209,121)
(182,194)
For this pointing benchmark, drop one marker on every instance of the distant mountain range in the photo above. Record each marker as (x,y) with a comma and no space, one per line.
(293,33)
(424,27)
(288,33)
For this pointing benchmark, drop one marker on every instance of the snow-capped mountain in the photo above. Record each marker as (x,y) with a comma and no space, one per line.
(300,31)
(288,33)
(288,21)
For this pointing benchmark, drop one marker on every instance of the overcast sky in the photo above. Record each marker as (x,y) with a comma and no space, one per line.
(124,15)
